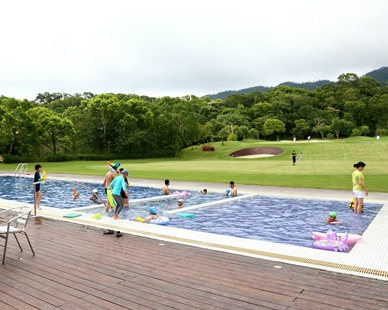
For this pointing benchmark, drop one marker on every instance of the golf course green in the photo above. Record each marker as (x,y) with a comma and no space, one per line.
(327,164)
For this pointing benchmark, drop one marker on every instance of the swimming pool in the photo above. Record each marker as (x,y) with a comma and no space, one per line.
(59,194)
(274,219)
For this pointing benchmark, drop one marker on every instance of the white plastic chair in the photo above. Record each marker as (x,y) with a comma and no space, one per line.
(16,225)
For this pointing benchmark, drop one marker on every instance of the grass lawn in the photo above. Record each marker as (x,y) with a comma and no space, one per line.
(327,164)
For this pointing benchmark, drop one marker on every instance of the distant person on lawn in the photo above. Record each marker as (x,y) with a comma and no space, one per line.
(293,157)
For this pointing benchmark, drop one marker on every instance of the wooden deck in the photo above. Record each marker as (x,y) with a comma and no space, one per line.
(77,267)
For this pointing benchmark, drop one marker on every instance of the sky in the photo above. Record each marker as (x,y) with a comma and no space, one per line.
(184,47)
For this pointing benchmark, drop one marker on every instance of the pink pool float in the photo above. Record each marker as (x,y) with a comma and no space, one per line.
(352,238)
(332,242)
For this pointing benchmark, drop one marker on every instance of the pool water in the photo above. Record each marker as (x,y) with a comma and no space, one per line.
(140,209)
(59,194)
(281,220)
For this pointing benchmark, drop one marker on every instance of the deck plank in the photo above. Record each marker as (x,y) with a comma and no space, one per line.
(77,267)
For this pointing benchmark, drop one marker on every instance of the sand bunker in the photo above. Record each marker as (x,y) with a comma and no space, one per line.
(257,152)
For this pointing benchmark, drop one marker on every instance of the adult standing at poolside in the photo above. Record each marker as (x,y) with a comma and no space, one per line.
(117,185)
(109,176)
(359,189)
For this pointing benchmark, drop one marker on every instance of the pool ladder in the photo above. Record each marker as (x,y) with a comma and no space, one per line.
(21,169)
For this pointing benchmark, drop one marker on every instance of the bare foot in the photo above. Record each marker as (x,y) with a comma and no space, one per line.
(38,208)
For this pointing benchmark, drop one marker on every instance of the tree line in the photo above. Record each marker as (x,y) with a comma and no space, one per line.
(133,126)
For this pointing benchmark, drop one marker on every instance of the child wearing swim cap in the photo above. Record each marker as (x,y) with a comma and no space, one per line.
(332,219)
(153,214)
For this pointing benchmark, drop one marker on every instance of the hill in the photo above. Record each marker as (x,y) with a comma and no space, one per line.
(380,75)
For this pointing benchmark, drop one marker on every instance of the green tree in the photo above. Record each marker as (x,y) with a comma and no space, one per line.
(364,130)
(54,131)
(273,126)
(302,128)
(340,126)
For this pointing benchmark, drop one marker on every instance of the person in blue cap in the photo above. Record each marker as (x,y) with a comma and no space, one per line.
(153,214)
(116,186)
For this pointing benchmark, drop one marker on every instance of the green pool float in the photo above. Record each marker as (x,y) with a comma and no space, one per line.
(186,215)
(73,214)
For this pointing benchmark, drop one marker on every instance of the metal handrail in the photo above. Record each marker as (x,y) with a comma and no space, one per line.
(21,169)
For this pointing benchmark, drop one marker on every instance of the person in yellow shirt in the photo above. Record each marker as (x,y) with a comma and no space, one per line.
(359,189)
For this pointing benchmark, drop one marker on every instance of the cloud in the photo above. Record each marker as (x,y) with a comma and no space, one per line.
(185,47)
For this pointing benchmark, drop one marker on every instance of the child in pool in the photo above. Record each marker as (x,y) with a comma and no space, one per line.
(75,194)
(332,219)
(180,203)
(94,196)
(153,214)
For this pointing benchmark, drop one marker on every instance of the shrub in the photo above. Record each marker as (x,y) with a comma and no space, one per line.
(232,137)
(9,159)
(207,148)
(59,158)
(356,132)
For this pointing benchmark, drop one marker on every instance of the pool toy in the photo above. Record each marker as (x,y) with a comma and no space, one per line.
(181,193)
(111,200)
(160,221)
(351,237)
(351,205)
(73,214)
(186,215)
(42,178)
(227,192)
(97,216)
(332,242)
(113,167)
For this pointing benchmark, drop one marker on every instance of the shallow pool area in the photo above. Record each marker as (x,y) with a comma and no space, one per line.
(275,219)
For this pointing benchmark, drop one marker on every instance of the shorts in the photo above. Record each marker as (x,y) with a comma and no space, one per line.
(359,194)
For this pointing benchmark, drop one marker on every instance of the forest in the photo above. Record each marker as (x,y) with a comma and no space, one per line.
(60,126)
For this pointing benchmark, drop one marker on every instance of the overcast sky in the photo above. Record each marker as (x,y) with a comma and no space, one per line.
(180,47)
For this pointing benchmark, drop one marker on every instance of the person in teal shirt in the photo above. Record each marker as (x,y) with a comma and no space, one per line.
(116,186)
(359,189)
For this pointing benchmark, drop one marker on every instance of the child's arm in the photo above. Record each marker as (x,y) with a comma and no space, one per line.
(148,218)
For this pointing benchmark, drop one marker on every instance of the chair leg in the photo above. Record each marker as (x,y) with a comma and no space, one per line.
(17,240)
(28,239)
(5,248)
